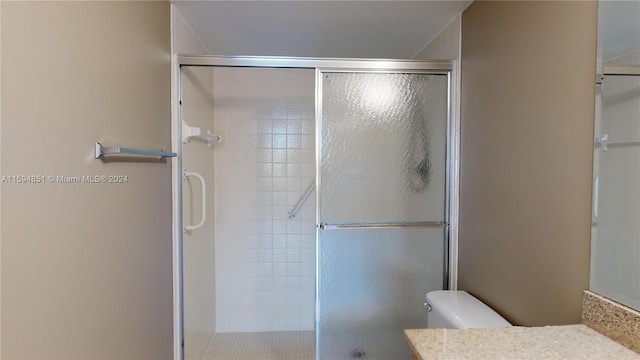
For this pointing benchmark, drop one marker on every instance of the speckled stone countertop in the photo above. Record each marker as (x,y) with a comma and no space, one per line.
(618,322)
(549,342)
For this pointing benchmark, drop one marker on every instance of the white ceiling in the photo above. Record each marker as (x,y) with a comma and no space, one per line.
(319,28)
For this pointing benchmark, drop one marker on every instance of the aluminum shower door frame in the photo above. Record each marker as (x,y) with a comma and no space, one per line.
(449,68)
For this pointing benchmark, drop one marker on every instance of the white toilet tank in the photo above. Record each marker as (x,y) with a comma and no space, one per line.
(458,310)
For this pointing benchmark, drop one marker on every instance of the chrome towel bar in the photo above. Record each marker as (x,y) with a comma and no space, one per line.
(102,151)
(390,225)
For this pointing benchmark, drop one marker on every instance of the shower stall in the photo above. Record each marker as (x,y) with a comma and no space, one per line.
(615,233)
(325,191)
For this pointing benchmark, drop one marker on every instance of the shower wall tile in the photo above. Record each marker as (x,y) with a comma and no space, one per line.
(265,262)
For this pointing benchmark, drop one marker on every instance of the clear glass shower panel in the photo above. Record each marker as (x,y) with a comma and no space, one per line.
(383,147)
(198,247)
(372,287)
(615,255)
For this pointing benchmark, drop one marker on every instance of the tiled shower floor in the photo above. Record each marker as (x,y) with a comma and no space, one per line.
(277,345)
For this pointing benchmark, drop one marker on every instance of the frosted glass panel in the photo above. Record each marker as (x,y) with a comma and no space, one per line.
(615,255)
(383,147)
(382,160)
(372,287)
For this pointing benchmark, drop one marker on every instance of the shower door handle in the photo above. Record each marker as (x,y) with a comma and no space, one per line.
(203,202)
(594,201)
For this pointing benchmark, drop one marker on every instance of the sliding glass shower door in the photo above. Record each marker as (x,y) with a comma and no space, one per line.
(382,209)
(615,232)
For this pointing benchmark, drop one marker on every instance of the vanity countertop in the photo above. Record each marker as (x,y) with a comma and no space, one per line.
(549,342)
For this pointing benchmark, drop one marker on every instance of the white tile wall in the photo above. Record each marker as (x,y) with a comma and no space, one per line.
(265,262)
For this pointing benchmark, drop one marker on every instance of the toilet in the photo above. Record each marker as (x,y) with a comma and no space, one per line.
(449,309)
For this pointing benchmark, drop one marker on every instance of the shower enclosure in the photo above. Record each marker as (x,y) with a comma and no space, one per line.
(615,256)
(326,201)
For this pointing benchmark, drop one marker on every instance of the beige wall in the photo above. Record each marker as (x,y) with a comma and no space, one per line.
(526,156)
(86,268)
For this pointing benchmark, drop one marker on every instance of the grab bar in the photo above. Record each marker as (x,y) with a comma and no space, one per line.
(594,201)
(603,143)
(102,151)
(203,202)
(390,225)
(303,198)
